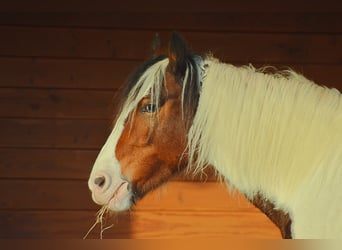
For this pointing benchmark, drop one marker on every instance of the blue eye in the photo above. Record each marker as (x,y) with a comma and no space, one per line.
(149,108)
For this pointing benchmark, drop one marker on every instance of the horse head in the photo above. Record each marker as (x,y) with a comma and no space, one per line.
(147,144)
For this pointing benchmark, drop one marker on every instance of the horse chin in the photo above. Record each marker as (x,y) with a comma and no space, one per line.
(121,199)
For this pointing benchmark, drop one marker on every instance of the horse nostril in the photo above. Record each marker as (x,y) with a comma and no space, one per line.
(100,181)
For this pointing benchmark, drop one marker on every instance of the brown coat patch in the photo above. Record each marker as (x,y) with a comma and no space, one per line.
(281,219)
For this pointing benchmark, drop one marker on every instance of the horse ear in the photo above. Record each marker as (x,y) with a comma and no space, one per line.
(178,54)
(155,46)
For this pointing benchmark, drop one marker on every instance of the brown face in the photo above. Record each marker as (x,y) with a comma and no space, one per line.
(146,149)
(152,143)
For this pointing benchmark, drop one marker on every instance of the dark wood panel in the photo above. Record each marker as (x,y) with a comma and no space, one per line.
(139,225)
(74,195)
(177,5)
(75,43)
(46,163)
(85,134)
(188,20)
(58,224)
(50,73)
(55,103)
(270,48)
(135,44)
(45,194)
(110,75)
(328,75)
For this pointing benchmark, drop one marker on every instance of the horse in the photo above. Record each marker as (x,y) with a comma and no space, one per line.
(274,136)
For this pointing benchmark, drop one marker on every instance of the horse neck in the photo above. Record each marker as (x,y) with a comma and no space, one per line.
(256,129)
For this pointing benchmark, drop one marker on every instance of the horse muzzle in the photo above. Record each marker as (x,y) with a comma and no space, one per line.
(115,193)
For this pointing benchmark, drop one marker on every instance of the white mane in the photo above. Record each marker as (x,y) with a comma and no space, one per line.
(277,135)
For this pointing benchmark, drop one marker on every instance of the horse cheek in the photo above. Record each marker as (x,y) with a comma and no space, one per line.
(173,148)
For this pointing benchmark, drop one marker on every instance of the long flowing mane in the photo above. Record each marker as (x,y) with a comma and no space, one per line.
(275,134)
(253,125)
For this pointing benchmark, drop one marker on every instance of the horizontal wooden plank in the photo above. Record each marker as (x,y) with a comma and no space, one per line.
(195,196)
(247,21)
(46,163)
(74,195)
(56,103)
(71,74)
(57,224)
(74,43)
(123,44)
(177,5)
(42,194)
(49,133)
(137,225)
(110,75)
(202,224)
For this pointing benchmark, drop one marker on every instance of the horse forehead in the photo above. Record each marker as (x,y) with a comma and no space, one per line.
(173,87)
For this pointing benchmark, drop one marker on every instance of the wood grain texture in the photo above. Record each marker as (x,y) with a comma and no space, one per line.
(136,225)
(65,74)
(45,163)
(45,195)
(202,224)
(216,6)
(56,103)
(179,210)
(318,22)
(56,225)
(54,133)
(121,44)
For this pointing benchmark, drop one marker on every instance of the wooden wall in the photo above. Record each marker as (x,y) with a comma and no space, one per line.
(59,72)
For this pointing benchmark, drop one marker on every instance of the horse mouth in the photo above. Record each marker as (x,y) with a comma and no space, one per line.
(121,198)
(122,188)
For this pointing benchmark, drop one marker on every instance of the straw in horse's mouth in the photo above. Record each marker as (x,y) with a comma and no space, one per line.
(99,220)
(103,210)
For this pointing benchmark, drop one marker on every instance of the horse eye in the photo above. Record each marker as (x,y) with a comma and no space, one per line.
(149,108)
